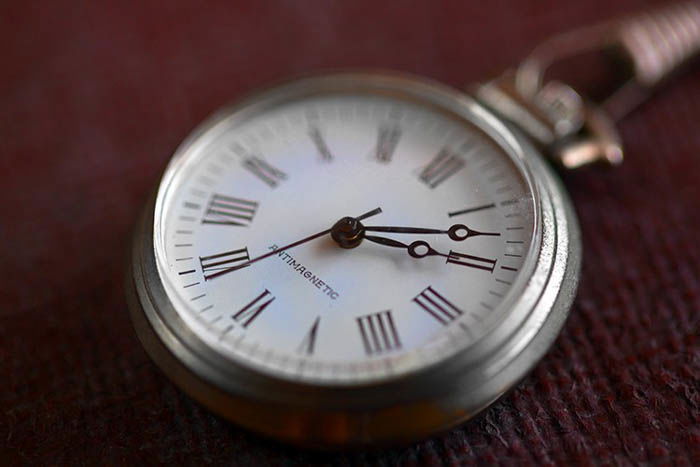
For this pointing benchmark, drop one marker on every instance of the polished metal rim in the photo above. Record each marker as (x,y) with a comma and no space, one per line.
(400,409)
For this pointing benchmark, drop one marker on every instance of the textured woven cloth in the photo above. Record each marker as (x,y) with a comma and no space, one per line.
(95,97)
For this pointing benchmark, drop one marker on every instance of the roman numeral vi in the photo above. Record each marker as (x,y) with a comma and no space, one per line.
(307,345)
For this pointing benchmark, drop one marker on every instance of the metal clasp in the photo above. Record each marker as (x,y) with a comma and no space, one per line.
(574,129)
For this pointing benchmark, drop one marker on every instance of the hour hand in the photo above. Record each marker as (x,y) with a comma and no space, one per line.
(457,232)
(417,249)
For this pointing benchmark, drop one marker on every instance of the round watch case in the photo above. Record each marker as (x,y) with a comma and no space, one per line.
(404,408)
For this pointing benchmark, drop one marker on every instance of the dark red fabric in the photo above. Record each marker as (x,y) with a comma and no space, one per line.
(95,96)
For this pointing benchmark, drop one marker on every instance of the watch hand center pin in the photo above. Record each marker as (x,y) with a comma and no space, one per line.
(348,232)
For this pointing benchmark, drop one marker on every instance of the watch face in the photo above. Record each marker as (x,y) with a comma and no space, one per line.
(396,299)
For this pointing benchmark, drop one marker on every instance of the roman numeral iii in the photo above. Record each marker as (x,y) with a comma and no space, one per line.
(440,168)
(272,176)
(437,306)
(378,333)
(223,260)
(227,210)
(470,261)
(252,310)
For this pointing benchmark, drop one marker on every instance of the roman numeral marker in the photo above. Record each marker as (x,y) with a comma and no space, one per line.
(264,171)
(321,146)
(468,210)
(437,306)
(227,210)
(309,342)
(223,260)
(471,261)
(440,168)
(387,140)
(378,333)
(247,314)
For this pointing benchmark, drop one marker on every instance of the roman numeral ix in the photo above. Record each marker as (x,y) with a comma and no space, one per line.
(252,310)
(223,260)
(437,306)
(440,168)
(378,333)
(227,210)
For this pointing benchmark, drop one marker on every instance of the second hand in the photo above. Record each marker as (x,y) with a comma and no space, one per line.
(366,215)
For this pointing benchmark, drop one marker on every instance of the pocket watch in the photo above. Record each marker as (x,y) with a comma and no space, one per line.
(371,257)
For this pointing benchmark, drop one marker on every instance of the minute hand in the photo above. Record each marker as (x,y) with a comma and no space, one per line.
(457,232)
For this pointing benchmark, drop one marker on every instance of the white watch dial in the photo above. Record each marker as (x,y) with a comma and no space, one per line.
(317,312)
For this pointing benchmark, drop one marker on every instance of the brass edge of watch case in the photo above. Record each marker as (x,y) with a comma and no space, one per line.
(411,406)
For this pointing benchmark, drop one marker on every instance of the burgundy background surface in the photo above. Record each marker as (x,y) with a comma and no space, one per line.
(95,96)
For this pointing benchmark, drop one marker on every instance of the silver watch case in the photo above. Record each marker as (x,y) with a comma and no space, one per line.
(405,408)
